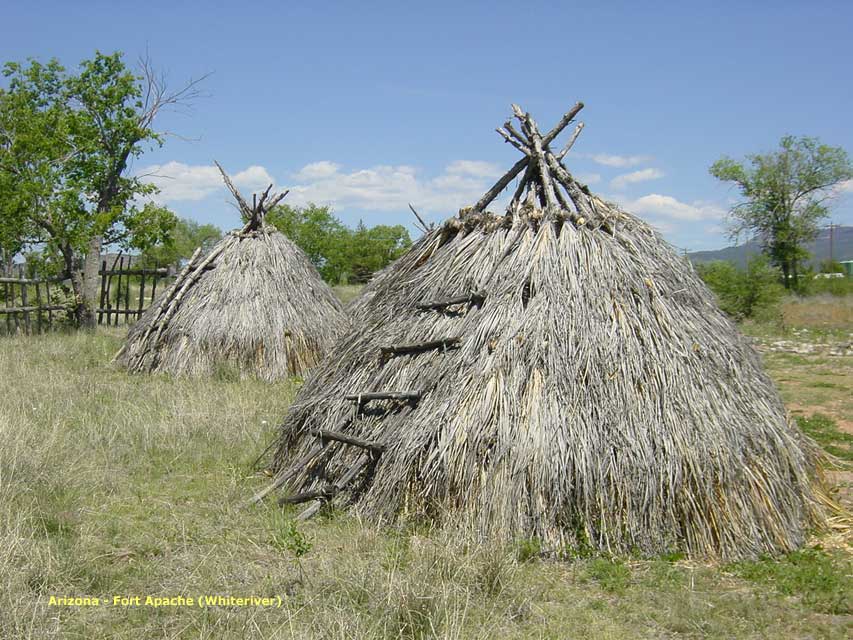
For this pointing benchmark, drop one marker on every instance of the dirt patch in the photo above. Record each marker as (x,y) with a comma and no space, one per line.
(808,410)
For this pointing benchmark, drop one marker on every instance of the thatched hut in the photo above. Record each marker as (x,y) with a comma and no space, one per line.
(253,303)
(557,372)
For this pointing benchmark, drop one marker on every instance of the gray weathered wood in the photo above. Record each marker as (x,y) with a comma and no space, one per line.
(39,318)
(571,142)
(562,124)
(325,434)
(332,490)
(30,280)
(474,297)
(25,305)
(500,185)
(312,510)
(288,474)
(362,398)
(103,274)
(29,309)
(443,343)
(305,496)
(141,305)
(132,272)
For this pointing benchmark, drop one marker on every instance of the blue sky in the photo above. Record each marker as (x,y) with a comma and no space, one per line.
(367,106)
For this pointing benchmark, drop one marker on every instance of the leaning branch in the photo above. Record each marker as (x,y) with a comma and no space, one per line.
(571,142)
(244,206)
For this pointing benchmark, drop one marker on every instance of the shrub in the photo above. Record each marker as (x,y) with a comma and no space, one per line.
(751,293)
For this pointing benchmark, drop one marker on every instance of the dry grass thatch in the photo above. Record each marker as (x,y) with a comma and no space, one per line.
(584,389)
(254,302)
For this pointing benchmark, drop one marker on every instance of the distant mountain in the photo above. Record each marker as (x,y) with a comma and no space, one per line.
(842,243)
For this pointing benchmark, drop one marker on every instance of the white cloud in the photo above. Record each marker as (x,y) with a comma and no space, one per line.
(179,182)
(392,188)
(254,178)
(657,205)
(317,170)
(589,178)
(846,186)
(609,160)
(476,168)
(663,227)
(620,182)
(381,188)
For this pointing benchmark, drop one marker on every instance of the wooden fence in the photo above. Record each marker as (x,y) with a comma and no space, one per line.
(29,304)
(34,305)
(123,291)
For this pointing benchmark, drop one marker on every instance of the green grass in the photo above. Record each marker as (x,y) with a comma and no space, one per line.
(822,581)
(825,432)
(116,485)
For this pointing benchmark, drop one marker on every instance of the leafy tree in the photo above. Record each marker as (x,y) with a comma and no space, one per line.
(13,229)
(786,195)
(32,150)
(181,242)
(751,293)
(372,249)
(318,233)
(340,254)
(71,140)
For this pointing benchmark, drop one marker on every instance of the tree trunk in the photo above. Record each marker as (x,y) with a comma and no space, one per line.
(72,272)
(91,283)
(786,269)
(8,260)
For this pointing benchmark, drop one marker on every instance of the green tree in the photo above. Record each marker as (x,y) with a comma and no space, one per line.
(180,244)
(33,147)
(316,231)
(372,249)
(786,194)
(14,226)
(73,137)
(340,254)
(751,293)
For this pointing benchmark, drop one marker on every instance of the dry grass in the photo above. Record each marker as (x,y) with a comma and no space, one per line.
(136,485)
(347,292)
(823,311)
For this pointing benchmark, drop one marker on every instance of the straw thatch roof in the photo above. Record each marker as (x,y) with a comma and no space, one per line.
(558,372)
(254,302)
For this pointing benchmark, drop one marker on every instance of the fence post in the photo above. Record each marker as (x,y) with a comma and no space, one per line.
(127,292)
(39,305)
(103,290)
(141,296)
(25,303)
(118,291)
(49,303)
(16,313)
(7,305)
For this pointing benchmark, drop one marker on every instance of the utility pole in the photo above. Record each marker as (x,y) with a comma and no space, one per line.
(830,241)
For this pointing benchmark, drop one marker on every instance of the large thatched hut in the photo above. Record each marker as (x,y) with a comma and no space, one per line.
(558,372)
(254,303)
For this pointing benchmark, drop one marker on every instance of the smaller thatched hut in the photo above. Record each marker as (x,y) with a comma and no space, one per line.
(254,302)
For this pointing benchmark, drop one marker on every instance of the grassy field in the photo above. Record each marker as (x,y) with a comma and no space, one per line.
(123,486)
